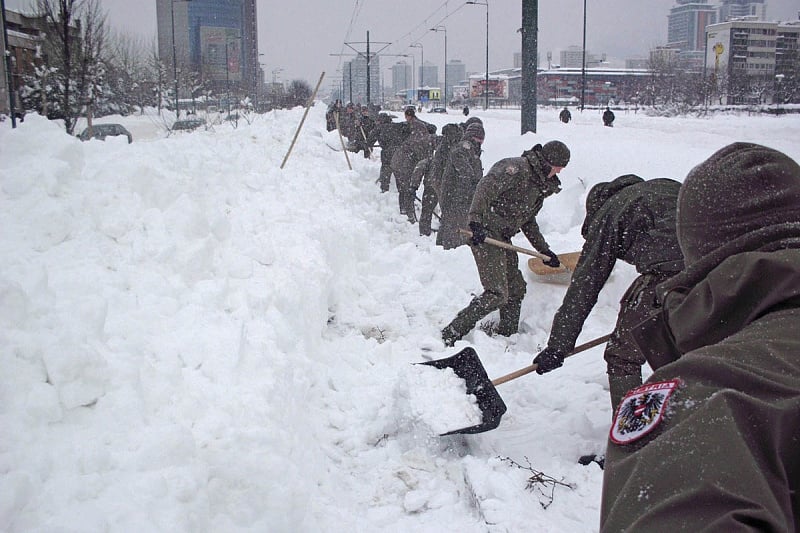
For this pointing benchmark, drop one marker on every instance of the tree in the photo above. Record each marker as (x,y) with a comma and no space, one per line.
(298,94)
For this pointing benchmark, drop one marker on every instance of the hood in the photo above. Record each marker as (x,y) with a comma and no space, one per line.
(738,190)
(600,194)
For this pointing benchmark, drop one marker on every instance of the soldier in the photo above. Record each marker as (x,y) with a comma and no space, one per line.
(632,220)
(390,135)
(506,200)
(451,134)
(417,146)
(461,175)
(710,441)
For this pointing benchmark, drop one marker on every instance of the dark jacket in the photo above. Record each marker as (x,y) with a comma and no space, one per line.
(510,196)
(724,455)
(461,175)
(608,117)
(628,219)
(390,135)
(565,116)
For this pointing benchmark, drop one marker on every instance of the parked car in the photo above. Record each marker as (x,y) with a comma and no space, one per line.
(439,110)
(101,131)
(189,124)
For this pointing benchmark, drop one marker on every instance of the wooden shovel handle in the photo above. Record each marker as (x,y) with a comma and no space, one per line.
(528,369)
(501,244)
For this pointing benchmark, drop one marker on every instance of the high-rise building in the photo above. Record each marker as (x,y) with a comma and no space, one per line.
(456,75)
(215,40)
(572,57)
(402,78)
(355,79)
(428,75)
(730,9)
(687,24)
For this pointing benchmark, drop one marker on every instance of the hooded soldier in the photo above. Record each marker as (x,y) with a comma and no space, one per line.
(709,442)
(632,220)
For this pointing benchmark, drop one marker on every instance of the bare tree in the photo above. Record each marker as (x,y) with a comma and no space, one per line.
(298,93)
(91,48)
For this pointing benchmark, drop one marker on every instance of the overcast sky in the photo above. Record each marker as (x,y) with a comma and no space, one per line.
(307,37)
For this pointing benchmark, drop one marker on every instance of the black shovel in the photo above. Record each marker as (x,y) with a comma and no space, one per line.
(468,367)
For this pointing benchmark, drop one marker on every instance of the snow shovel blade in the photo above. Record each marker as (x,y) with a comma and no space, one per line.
(468,367)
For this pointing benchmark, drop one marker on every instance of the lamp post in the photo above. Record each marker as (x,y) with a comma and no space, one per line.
(443,29)
(583,62)
(421,63)
(486,88)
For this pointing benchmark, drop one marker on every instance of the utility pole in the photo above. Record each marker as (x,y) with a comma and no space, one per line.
(583,67)
(530,60)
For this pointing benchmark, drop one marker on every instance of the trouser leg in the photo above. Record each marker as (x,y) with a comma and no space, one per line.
(429,202)
(385,177)
(491,263)
(623,357)
(510,311)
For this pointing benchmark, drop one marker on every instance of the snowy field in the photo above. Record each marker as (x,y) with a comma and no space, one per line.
(194,340)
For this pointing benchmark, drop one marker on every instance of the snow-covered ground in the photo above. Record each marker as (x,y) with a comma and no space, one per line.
(194,340)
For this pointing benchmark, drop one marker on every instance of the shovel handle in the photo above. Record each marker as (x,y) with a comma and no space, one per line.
(528,369)
(501,244)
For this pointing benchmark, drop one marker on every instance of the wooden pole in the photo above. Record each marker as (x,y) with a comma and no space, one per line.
(341,140)
(300,126)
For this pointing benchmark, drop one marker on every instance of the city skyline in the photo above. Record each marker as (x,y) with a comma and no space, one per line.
(328,35)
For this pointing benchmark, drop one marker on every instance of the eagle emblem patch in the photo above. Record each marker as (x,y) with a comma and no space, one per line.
(641,411)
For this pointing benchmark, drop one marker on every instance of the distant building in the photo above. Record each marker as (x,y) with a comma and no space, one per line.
(25,47)
(572,57)
(216,39)
(687,23)
(456,75)
(428,75)
(355,80)
(402,77)
(731,9)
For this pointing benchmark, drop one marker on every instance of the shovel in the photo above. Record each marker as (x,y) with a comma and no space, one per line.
(468,367)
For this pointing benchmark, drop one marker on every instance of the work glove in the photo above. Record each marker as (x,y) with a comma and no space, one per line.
(553,262)
(478,233)
(547,360)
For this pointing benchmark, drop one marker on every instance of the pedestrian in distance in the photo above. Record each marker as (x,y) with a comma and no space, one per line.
(608,117)
(631,220)
(710,441)
(506,201)
(461,175)
(465,110)
(565,116)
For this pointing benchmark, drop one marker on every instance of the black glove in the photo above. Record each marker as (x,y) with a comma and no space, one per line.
(478,233)
(547,360)
(553,262)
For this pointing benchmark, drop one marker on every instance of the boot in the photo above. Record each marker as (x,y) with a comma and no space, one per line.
(509,318)
(619,385)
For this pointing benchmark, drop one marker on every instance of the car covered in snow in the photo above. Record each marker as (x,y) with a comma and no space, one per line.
(102,131)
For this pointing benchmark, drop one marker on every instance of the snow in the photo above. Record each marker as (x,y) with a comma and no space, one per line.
(192,339)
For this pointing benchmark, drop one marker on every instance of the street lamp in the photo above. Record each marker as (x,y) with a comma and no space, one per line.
(443,29)
(486,88)
(421,63)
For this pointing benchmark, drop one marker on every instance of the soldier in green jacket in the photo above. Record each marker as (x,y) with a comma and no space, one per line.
(710,442)
(506,200)
(632,220)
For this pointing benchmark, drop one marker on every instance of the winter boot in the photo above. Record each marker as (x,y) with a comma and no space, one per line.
(509,318)
(619,385)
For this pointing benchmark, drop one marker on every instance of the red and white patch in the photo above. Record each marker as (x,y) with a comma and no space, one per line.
(641,411)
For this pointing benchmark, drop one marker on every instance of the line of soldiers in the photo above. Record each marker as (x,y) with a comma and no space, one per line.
(709,441)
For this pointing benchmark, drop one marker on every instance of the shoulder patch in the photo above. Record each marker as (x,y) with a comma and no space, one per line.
(512,170)
(641,411)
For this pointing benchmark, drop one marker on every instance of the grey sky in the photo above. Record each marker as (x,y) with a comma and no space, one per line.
(303,37)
